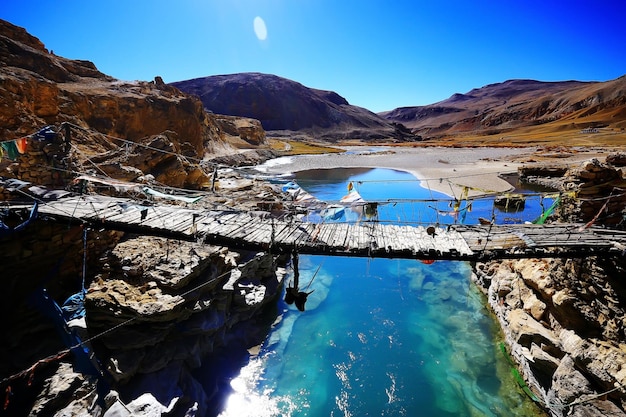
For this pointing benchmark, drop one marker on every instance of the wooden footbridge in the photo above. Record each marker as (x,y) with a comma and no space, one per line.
(251,231)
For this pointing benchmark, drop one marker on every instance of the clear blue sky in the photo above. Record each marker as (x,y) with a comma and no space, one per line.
(378,54)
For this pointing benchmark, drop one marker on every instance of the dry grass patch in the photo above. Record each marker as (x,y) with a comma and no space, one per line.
(535,136)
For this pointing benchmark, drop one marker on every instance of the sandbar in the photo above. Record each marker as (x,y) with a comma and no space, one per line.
(443,169)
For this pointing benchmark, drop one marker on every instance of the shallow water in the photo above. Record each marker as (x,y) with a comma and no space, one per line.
(403,200)
(380,337)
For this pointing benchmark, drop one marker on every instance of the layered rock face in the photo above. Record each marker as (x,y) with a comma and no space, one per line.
(155,308)
(38,88)
(176,304)
(564,323)
(156,312)
(564,319)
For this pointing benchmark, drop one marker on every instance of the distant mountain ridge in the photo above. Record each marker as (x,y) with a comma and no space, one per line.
(501,107)
(283,105)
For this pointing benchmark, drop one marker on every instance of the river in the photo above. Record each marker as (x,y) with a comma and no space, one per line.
(384,337)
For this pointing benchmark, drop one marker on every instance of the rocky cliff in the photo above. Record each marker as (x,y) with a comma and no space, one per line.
(155,308)
(38,88)
(563,320)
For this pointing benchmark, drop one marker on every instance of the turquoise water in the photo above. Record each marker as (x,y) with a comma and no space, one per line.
(379,337)
(402,199)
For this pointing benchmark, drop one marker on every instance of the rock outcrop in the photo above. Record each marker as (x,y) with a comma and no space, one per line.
(178,303)
(155,309)
(170,303)
(591,190)
(564,319)
(39,88)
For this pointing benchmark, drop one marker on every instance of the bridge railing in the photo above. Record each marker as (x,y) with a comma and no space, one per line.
(496,209)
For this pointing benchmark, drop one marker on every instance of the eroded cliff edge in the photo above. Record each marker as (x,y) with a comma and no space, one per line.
(155,307)
(563,319)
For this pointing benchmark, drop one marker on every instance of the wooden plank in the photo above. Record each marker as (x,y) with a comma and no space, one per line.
(339,237)
(219,222)
(181,222)
(349,242)
(399,243)
(391,233)
(324,233)
(302,237)
(298,231)
(282,230)
(397,240)
(362,236)
(373,241)
(409,244)
(329,237)
(413,236)
(260,233)
(425,240)
(377,238)
(164,219)
(243,226)
(291,238)
(105,212)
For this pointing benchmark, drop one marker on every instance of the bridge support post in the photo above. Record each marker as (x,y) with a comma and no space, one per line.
(213,179)
(68,136)
(292,292)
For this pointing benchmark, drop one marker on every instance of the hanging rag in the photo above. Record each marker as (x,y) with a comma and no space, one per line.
(74,306)
(291,185)
(10,150)
(155,193)
(6,230)
(45,133)
(544,216)
(21,145)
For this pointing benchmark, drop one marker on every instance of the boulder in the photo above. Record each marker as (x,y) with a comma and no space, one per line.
(66,390)
(542,363)
(572,394)
(536,273)
(526,330)
(241,132)
(617,159)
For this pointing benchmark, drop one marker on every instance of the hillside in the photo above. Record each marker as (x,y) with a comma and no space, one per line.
(525,110)
(288,108)
(39,88)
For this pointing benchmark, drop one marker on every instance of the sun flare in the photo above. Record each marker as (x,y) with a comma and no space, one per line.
(260,30)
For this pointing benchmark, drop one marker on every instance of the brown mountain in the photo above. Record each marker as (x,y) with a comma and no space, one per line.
(284,107)
(522,107)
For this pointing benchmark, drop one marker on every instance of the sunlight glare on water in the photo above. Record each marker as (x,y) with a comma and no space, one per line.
(380,337)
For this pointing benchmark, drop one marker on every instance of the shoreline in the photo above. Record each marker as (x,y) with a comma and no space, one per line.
(442,169)
(445,170)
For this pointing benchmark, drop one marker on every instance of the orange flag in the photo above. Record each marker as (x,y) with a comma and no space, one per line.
(21,145)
